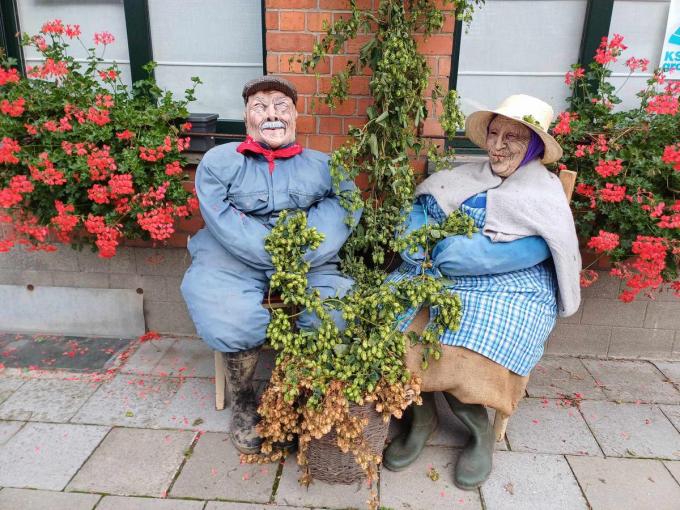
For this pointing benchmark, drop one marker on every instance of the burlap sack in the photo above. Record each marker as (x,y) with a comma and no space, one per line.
(465,374)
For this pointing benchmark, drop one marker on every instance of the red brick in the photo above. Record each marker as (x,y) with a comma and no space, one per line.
(354,45)
(290,4)
(272,20)
(358,85)
(432,128)
(272,64)
(347,107)
(177,240)
(306,124)
(419,166)
(339,62)
(449,22)
(339,141)
(190,225)
(330,125)
(289,42)
(343,5)
(290,62)
(438,44)
(445,5)
(292,20)
(304,84)
(356,122)
(363,103)
(315,20)
(319,142)
(444,67)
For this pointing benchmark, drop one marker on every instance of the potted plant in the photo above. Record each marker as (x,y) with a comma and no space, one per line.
(627,198)
(84,159)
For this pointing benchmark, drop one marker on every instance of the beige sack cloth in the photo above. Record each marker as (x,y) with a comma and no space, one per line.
(465,374)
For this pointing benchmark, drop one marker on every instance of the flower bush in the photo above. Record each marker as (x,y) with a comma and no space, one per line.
(84,159)
(627,197)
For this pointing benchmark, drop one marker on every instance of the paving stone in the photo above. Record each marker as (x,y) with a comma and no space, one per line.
(674,468)
(80,279)
(531,481)
(134,462)
(318,494)
(8,386)
(641,343)
(8,429)
(47,400)
(572,319)
(632,430)
(547,426)
(128,400)
(147,356)
(188,358)
(29,499)
(123,262)
(214,471)
(152,287)
(670,369)
(414,489)
(672,413)
(605,286)
(165,262)
(632,381)
(61,260)
(451,431)
(220,505)
(579,340)
(193,407)
(559,377)
(126,503)
(626,483)
(612,312)
(45,455)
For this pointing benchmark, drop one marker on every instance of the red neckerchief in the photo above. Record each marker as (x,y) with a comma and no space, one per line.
(270,155)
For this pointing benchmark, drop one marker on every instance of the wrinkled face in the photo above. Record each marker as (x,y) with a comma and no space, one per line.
(506,143)
(270,118)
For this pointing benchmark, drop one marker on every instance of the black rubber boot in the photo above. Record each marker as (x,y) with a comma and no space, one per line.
(406,447)
(240,368)
(474,464)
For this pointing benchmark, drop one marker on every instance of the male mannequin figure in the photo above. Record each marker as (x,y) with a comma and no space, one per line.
(241,189)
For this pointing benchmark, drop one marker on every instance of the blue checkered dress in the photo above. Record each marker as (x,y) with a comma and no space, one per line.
(507,317)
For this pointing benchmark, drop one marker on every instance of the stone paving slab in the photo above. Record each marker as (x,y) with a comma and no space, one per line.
(128,400)
(530,481)
(414,488)
(631,430)
(51,400)
(221,505)
(214,471)
(46,456)
(29,499)
(188,358)
(674,468)
(8,429)
(673,414)
(555,377)
(318,494)
(147,356)
(9,386)
(626,483)
(670,369)
(193,407)
(134,462)
(128,503)
(632,381)
(546,426)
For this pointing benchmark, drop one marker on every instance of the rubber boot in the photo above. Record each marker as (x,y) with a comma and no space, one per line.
(240,368)
(474,464)
(406,447)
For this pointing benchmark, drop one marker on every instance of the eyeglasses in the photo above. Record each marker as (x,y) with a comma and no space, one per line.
(281,106)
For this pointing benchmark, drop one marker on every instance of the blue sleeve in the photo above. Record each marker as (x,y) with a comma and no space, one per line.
(416,219)
(329,217)
(238,233)
(464,256)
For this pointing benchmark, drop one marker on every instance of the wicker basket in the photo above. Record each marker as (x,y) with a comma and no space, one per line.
(327,463)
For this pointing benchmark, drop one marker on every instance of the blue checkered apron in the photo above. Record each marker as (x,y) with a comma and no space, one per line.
(507,317)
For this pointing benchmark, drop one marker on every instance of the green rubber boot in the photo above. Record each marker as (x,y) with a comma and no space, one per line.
(406,447)
(474,464)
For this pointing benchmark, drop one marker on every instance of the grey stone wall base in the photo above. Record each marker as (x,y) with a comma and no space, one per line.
(71,311)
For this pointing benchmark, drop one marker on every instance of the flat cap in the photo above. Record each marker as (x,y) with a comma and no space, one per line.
(269,83)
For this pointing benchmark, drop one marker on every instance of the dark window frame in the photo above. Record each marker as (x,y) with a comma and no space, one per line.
(140,47)
(595,26)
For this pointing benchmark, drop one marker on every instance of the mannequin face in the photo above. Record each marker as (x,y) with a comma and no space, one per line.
(506,143)
(270,118)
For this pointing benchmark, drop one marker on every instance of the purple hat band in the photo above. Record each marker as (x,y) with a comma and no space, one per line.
(535,149)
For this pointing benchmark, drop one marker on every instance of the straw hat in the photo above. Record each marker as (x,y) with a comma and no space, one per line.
(528,110)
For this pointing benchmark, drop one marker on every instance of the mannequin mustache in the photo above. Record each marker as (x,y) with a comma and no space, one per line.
(272,124)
